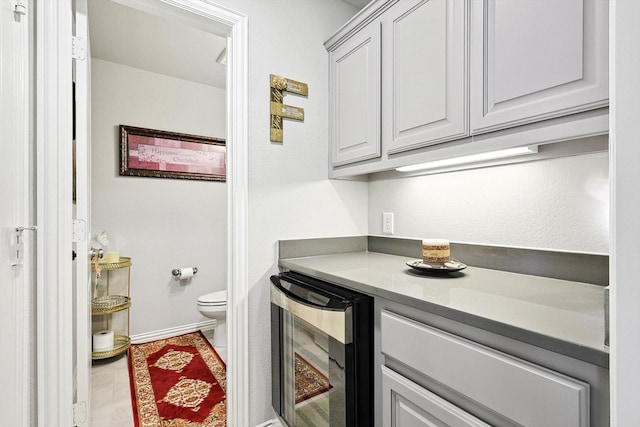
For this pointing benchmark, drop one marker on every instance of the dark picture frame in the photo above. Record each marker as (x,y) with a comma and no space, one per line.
(162,154)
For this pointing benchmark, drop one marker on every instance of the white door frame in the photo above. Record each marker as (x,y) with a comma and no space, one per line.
(82,214)
(624,152)
(54,214)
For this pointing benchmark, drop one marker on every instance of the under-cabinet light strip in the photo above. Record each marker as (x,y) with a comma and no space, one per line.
(472,158)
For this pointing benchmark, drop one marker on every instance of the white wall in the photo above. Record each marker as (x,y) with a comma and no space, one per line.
(160,223)
(289,193)
(552,204)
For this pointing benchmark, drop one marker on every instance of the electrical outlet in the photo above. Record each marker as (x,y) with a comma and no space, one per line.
(387,222)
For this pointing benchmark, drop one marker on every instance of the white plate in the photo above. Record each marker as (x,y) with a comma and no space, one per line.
(447,267)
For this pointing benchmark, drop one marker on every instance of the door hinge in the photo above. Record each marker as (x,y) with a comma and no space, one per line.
(79,413)
(78,48)
(20,7)
(79,233)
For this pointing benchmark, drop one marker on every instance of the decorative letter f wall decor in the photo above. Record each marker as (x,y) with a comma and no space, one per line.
(280,110)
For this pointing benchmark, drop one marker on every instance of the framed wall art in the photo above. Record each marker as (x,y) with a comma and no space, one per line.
(163,154)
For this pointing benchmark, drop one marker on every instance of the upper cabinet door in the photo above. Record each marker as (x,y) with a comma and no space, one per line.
(355,97)
(425,89)
(532,60)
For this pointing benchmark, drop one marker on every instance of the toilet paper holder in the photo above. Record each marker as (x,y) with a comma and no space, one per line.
(177,272)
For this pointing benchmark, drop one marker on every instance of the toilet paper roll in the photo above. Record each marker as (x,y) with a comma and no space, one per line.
(186,273)
(102,340)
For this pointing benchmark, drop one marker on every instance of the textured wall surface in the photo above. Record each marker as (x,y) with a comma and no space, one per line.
(289,193)
(550,204)
(160,223)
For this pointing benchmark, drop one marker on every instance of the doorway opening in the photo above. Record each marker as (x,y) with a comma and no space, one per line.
(232,27)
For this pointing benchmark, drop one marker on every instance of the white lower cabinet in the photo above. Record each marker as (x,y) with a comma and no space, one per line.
(513,391)
(406,404)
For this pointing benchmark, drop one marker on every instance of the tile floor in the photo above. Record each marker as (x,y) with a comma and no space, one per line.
(111,392)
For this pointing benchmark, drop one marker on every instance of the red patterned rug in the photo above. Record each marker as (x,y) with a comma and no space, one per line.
(310,381)
(178,382)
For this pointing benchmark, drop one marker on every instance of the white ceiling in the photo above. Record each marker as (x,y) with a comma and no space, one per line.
(130,37)
(127,36)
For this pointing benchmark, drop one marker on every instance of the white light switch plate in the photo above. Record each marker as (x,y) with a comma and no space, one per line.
(387,222)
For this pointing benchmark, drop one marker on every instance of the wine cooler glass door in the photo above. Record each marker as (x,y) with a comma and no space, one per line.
(310,337)
(312,378)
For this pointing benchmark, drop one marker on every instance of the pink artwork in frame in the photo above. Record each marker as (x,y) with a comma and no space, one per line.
(162,154)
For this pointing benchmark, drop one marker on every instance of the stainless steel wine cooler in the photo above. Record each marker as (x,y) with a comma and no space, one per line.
(321,353)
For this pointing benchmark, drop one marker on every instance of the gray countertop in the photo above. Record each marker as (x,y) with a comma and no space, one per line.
(562,316)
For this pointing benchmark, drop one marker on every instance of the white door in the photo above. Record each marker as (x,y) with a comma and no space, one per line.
(81,215)
(16,260)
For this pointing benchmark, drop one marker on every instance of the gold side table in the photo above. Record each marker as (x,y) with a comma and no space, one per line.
(110,305)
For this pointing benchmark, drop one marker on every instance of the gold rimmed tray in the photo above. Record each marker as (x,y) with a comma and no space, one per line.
(123,262)
(109,304)
(121,344)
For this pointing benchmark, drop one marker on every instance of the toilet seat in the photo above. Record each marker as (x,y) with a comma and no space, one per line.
(213,299)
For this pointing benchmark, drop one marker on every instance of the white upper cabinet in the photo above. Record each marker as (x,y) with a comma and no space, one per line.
(424,63)
(412,81)
(355,97)
(532,60)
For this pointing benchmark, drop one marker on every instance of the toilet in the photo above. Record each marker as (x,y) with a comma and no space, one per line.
(214,306)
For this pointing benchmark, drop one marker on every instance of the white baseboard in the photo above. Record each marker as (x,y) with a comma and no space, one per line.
(172,332)
(275,422)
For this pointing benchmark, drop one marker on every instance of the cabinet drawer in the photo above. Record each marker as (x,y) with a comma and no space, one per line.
(525,393)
